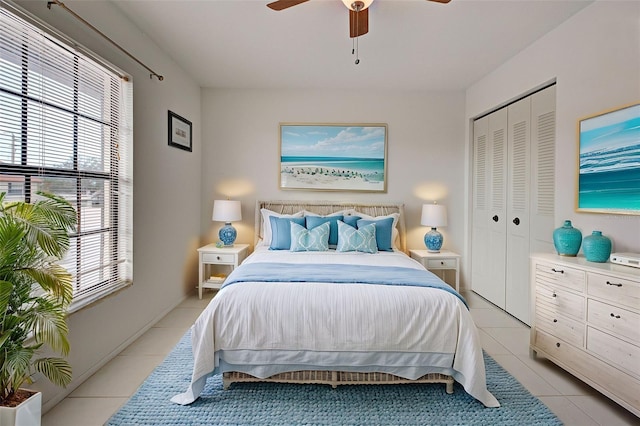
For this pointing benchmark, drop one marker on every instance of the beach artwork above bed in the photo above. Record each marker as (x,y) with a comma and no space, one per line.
(333,157)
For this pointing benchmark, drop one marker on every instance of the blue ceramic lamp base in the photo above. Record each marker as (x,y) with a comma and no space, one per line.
(227,235)
(433,240)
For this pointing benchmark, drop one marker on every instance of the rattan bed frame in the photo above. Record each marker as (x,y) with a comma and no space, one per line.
(334,378)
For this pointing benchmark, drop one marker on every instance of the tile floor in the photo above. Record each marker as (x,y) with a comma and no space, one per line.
(503,337)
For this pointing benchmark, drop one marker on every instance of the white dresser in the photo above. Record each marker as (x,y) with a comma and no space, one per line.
(586,319)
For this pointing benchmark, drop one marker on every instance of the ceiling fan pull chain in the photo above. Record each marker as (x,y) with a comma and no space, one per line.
(357,54)
(358,34)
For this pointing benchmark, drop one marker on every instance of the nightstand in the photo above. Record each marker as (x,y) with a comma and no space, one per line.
(443,261)
(212,255)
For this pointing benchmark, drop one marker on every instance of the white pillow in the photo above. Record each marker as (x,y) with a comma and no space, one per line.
(266,223)
(395,234)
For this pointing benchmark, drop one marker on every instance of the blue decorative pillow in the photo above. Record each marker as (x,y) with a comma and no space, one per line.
(352,239)
(313,221)
(384,228)
(281,231)
(316,239)
(352,220)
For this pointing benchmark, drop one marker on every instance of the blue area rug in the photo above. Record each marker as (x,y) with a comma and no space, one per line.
(287,404)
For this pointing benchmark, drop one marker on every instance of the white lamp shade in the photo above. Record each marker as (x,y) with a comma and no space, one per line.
(434,215)
(226,211)
(349,4)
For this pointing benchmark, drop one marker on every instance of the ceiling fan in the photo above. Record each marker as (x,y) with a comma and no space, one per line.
(358,13)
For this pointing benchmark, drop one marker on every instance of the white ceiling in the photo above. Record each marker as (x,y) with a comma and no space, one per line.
(411,44)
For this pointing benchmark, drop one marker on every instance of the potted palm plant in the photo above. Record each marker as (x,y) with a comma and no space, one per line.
(35,292)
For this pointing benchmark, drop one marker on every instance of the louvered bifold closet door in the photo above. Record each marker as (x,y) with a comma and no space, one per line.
(480,256)
(543,177)
(489,246)
(517,219)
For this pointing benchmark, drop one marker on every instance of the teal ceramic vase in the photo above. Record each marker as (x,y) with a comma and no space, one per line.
(567,239)
(596,247)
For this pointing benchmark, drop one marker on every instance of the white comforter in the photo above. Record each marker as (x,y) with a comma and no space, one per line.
(267,328)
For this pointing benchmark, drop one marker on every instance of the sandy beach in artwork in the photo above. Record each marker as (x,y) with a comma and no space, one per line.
(319,177)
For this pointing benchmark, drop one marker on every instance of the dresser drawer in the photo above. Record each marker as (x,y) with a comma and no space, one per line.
(560,325)
(617,321)
(441,264)
(561,301)
(618,290)
(559,275)
(218,258)
(616,351)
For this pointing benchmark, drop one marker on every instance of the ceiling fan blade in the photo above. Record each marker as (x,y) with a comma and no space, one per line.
(358,23)
(440,1)
(284,4)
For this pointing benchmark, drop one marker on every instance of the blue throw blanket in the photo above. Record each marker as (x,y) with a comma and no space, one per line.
(337,273)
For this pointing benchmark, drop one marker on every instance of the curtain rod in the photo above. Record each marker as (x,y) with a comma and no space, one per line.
(78,17)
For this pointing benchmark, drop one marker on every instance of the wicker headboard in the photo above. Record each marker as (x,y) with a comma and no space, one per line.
(327,207)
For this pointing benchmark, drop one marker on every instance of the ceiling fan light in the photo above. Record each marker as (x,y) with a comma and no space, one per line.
(351,4)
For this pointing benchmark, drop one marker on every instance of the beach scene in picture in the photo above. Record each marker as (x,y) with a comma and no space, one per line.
(609,177)
(333,157)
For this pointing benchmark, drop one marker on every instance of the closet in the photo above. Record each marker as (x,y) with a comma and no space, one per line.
(513,198)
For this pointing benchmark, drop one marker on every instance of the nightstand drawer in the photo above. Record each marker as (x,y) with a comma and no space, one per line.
(441,264)
(218,258)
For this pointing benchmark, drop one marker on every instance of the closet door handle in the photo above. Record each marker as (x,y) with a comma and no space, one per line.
(516,221)
(495,218)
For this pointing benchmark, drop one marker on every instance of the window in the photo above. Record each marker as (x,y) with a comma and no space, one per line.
(65,128)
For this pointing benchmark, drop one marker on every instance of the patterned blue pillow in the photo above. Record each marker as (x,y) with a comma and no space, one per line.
(281,231)
(352,239)
(316,239)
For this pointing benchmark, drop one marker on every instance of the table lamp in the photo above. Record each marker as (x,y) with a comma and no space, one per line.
(227,211)
(433,215)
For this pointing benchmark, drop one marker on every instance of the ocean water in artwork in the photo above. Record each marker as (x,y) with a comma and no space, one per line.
(609,175)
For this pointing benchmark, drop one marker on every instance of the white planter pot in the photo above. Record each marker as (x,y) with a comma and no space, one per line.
(29,413)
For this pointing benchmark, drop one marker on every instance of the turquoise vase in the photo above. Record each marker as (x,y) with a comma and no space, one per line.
(596,247)
(567,239)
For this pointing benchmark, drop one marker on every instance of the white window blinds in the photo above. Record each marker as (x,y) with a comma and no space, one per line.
(66,128)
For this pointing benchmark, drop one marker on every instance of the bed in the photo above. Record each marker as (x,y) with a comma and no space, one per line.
(334,314)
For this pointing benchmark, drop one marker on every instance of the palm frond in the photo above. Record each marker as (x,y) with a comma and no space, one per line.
(57,370)
(50,325)
(53,279)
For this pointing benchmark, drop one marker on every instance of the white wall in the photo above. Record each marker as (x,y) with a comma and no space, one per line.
(595,57)
(166,192)
(425,150)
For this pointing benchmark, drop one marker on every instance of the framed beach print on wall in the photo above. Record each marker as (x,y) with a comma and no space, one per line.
(333,157)
(609,171)
(179,132)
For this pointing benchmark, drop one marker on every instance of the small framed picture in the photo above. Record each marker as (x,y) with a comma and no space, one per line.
(179,132)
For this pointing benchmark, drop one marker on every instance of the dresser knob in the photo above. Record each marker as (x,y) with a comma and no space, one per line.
(555,320)
(615,284)
(558,345)
(218,257)
(554,294)
(615,316)
(495,218)
(442,263)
